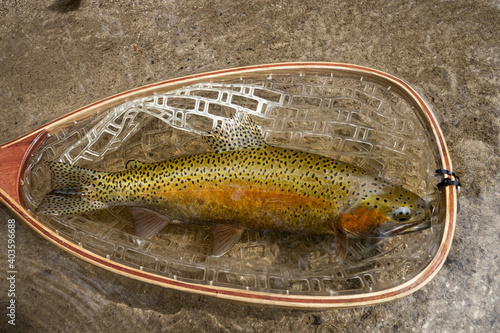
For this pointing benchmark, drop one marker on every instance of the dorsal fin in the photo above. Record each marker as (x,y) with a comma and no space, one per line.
(237,132)
(134,164)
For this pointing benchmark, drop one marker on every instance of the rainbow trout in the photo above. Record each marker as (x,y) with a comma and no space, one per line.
(245,184)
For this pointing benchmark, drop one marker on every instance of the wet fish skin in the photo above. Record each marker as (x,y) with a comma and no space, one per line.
(265,188)
(245,184)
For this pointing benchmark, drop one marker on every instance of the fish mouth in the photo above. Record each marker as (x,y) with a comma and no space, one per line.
(395,229)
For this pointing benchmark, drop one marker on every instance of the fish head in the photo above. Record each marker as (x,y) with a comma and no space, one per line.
(384,211)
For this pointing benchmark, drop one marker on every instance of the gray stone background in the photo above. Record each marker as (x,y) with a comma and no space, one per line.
(59,55)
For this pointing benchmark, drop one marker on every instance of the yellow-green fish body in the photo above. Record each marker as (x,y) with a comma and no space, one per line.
(258,188)
(245,184)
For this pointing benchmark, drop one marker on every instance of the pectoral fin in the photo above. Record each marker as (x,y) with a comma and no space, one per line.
(147,222)
(341,245)
(225,236)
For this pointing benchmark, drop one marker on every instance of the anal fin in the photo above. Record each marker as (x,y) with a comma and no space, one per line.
(225,236)
(147,222)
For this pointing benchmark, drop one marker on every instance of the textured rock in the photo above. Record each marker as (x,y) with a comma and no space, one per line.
(59,55)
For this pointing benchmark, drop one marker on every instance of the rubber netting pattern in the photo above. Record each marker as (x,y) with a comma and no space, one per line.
(349,118)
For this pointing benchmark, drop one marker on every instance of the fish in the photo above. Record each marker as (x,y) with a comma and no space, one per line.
(243,184)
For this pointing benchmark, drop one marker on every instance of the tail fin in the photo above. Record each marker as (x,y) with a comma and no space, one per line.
(72,191)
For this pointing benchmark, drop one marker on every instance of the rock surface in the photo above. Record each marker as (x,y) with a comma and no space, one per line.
(59,55)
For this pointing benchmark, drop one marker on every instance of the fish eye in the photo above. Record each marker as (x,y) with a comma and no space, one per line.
(402,214)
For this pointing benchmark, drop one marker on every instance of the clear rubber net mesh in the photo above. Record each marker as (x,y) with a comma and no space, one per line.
(345,117)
